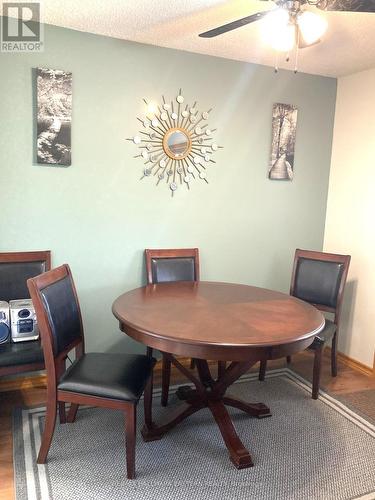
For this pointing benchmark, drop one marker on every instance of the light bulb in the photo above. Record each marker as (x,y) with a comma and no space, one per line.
(274,19)
(278,31)
(285,39)
(312,26)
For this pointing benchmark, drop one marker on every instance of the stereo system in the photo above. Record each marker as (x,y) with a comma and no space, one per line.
(4,322)
(18,321)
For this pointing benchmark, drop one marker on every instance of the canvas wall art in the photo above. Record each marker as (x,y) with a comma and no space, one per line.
(284,124)
(54,116)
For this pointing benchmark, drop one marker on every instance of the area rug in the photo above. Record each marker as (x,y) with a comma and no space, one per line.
(307,450)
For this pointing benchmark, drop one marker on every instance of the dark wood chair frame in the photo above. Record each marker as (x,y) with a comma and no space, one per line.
(56,366)
(13,257)
(336,311)
(169,254)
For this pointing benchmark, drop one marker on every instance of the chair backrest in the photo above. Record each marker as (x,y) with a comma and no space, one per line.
(58,313)
(319,278)
(164,265)
(16,268)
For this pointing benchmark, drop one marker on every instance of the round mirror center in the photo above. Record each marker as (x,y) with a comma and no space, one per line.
(177,144)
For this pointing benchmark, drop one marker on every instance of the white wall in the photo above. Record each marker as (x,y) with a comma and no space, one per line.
(351,209)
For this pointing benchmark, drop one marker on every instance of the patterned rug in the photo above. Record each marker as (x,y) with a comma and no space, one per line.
(307,450)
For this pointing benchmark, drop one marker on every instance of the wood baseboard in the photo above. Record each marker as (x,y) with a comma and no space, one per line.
(356,365)
(40,380)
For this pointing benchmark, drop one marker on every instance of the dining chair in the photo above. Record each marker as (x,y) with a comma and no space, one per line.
(166,265)
(15,269)
(319,278)
(114,381)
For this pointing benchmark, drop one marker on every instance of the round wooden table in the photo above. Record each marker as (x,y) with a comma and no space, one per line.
(215,321)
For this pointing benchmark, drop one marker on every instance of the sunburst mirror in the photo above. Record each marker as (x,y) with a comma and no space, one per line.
(175,142)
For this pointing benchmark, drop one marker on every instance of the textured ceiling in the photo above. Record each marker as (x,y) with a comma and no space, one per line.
(347,47)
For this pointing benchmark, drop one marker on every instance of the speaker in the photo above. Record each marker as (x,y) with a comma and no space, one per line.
(4,322)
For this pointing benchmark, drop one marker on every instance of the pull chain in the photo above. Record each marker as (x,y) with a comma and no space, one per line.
(277,62)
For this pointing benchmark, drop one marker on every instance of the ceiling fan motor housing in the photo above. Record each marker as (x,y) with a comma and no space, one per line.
(292,6)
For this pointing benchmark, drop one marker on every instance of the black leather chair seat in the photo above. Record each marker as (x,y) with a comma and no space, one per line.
(21,353)
(326,334)
(115,376)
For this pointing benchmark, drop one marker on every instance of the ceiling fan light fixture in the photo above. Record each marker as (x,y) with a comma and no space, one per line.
(312,27)
(278,31)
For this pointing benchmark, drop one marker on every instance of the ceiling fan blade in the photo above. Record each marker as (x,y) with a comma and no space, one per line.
(233,25)
(347,5)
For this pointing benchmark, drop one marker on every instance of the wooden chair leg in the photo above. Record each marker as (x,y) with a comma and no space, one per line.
(317,371)
(165,380)
(148,403)
(49,427)
(192,363)
(62,413)
(130,429)
(72,413)
(289,359)
(262,369)
(221,367)
(334,356)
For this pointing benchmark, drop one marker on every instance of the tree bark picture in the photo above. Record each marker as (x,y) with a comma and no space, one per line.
(54,105)
(284,124)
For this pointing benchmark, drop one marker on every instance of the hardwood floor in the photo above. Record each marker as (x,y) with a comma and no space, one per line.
(345,385)
(8,401)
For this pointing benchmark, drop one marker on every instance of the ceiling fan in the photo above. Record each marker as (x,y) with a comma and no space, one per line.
(290,25)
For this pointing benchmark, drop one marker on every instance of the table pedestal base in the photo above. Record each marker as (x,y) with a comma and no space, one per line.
(209,393)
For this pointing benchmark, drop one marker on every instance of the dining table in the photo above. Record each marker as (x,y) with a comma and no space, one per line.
(235,324)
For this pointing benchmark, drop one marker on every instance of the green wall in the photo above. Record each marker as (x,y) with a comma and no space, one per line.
(98,216)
